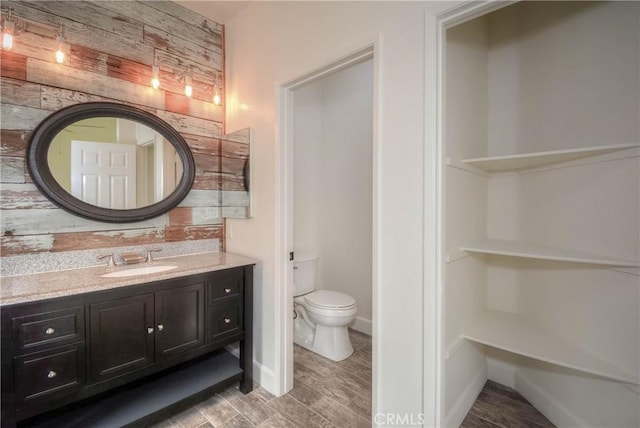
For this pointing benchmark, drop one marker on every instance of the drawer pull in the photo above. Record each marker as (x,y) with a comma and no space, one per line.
(227,290)
(50,330)
(160,327)
(227,320)
(51,374)
(149,330)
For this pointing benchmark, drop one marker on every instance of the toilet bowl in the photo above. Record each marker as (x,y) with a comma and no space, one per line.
(321,317)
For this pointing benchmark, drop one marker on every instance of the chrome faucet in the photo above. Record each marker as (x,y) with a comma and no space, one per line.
(149,255)
(110,262)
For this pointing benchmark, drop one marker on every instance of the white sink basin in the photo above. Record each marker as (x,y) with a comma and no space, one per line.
(147,270)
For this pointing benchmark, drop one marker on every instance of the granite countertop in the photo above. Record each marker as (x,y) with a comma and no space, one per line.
(48,285)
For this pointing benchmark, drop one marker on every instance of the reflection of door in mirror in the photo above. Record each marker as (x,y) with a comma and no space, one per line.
(154,168)
(104,174)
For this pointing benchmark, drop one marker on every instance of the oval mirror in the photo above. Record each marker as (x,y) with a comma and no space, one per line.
(110,162)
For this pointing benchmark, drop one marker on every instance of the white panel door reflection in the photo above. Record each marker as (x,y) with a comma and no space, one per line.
(104,174)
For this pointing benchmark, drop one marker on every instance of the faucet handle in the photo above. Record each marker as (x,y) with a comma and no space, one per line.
(110,262)
(149,256)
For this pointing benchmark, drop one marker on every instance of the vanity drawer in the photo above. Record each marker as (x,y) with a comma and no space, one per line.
(48,329)
(226,283)
(48,374)
(225,319)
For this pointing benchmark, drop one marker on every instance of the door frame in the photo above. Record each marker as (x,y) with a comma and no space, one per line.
(283,331)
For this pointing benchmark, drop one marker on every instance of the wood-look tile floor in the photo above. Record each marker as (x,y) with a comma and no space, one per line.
(499,406)
(325,394)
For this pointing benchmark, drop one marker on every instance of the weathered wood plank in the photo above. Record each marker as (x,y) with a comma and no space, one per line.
(199,105)
(12,169)
(231,149)
(181,216)
(201,144)
(87,59)
(14,245)
(49,74)
(233,166)
(56,98)
(19,92)
(206,163)
(232,182)
(207,181)
(189,233)
(202,198)
(88,240)
(191,125)
(79,33)
(14,143)
(235,212)
(235,198)
(187,15)
(90,14)
(171,62)
(199,34)
(39,221)
(160,39)
(13,65)
(23,196)
(21,118)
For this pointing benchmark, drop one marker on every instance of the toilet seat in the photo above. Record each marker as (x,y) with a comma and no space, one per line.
(326,299)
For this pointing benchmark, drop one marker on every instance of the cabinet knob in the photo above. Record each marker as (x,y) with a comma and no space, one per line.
(160,327)
(227,320)
(50,331)
(227,290)
(149,330)
(51,374)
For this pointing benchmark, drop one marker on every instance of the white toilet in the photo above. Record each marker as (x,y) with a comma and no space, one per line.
(321,317)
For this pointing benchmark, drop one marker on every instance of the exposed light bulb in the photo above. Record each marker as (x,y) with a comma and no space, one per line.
(63,46)
(216,95)
(7,34)
(60,53)
(188,89)
(155,76)
(59,56)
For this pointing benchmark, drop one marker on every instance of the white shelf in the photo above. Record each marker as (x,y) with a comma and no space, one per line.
(532,160)
(534,251)
(514,334)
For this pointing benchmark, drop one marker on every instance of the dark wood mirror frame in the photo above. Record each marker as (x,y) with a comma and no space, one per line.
(46,131)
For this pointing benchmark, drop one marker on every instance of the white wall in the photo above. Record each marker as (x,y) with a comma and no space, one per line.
(270,43)
(333,149)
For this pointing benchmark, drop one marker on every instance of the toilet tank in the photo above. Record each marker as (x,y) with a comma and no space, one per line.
(304,273)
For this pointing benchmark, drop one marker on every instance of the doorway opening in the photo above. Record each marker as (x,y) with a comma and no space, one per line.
(328,184)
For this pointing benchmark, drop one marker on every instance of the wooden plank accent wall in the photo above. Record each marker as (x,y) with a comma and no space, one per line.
(113,45)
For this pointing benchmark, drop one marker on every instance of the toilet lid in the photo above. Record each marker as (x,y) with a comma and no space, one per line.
(329,299)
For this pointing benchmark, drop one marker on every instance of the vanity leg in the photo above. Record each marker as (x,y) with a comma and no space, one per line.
(246,345)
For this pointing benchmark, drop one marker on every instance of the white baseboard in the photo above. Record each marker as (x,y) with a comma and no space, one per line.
(545,403)
(264,377)
(501,372)
(460,409)
(362,325)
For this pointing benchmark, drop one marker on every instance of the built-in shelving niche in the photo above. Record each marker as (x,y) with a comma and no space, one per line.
(540,187)
(514,333)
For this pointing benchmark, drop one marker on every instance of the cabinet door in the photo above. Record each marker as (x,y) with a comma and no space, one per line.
(179,319)
(122,338)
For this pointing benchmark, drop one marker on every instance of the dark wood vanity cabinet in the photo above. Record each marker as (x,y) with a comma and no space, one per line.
(56,352)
